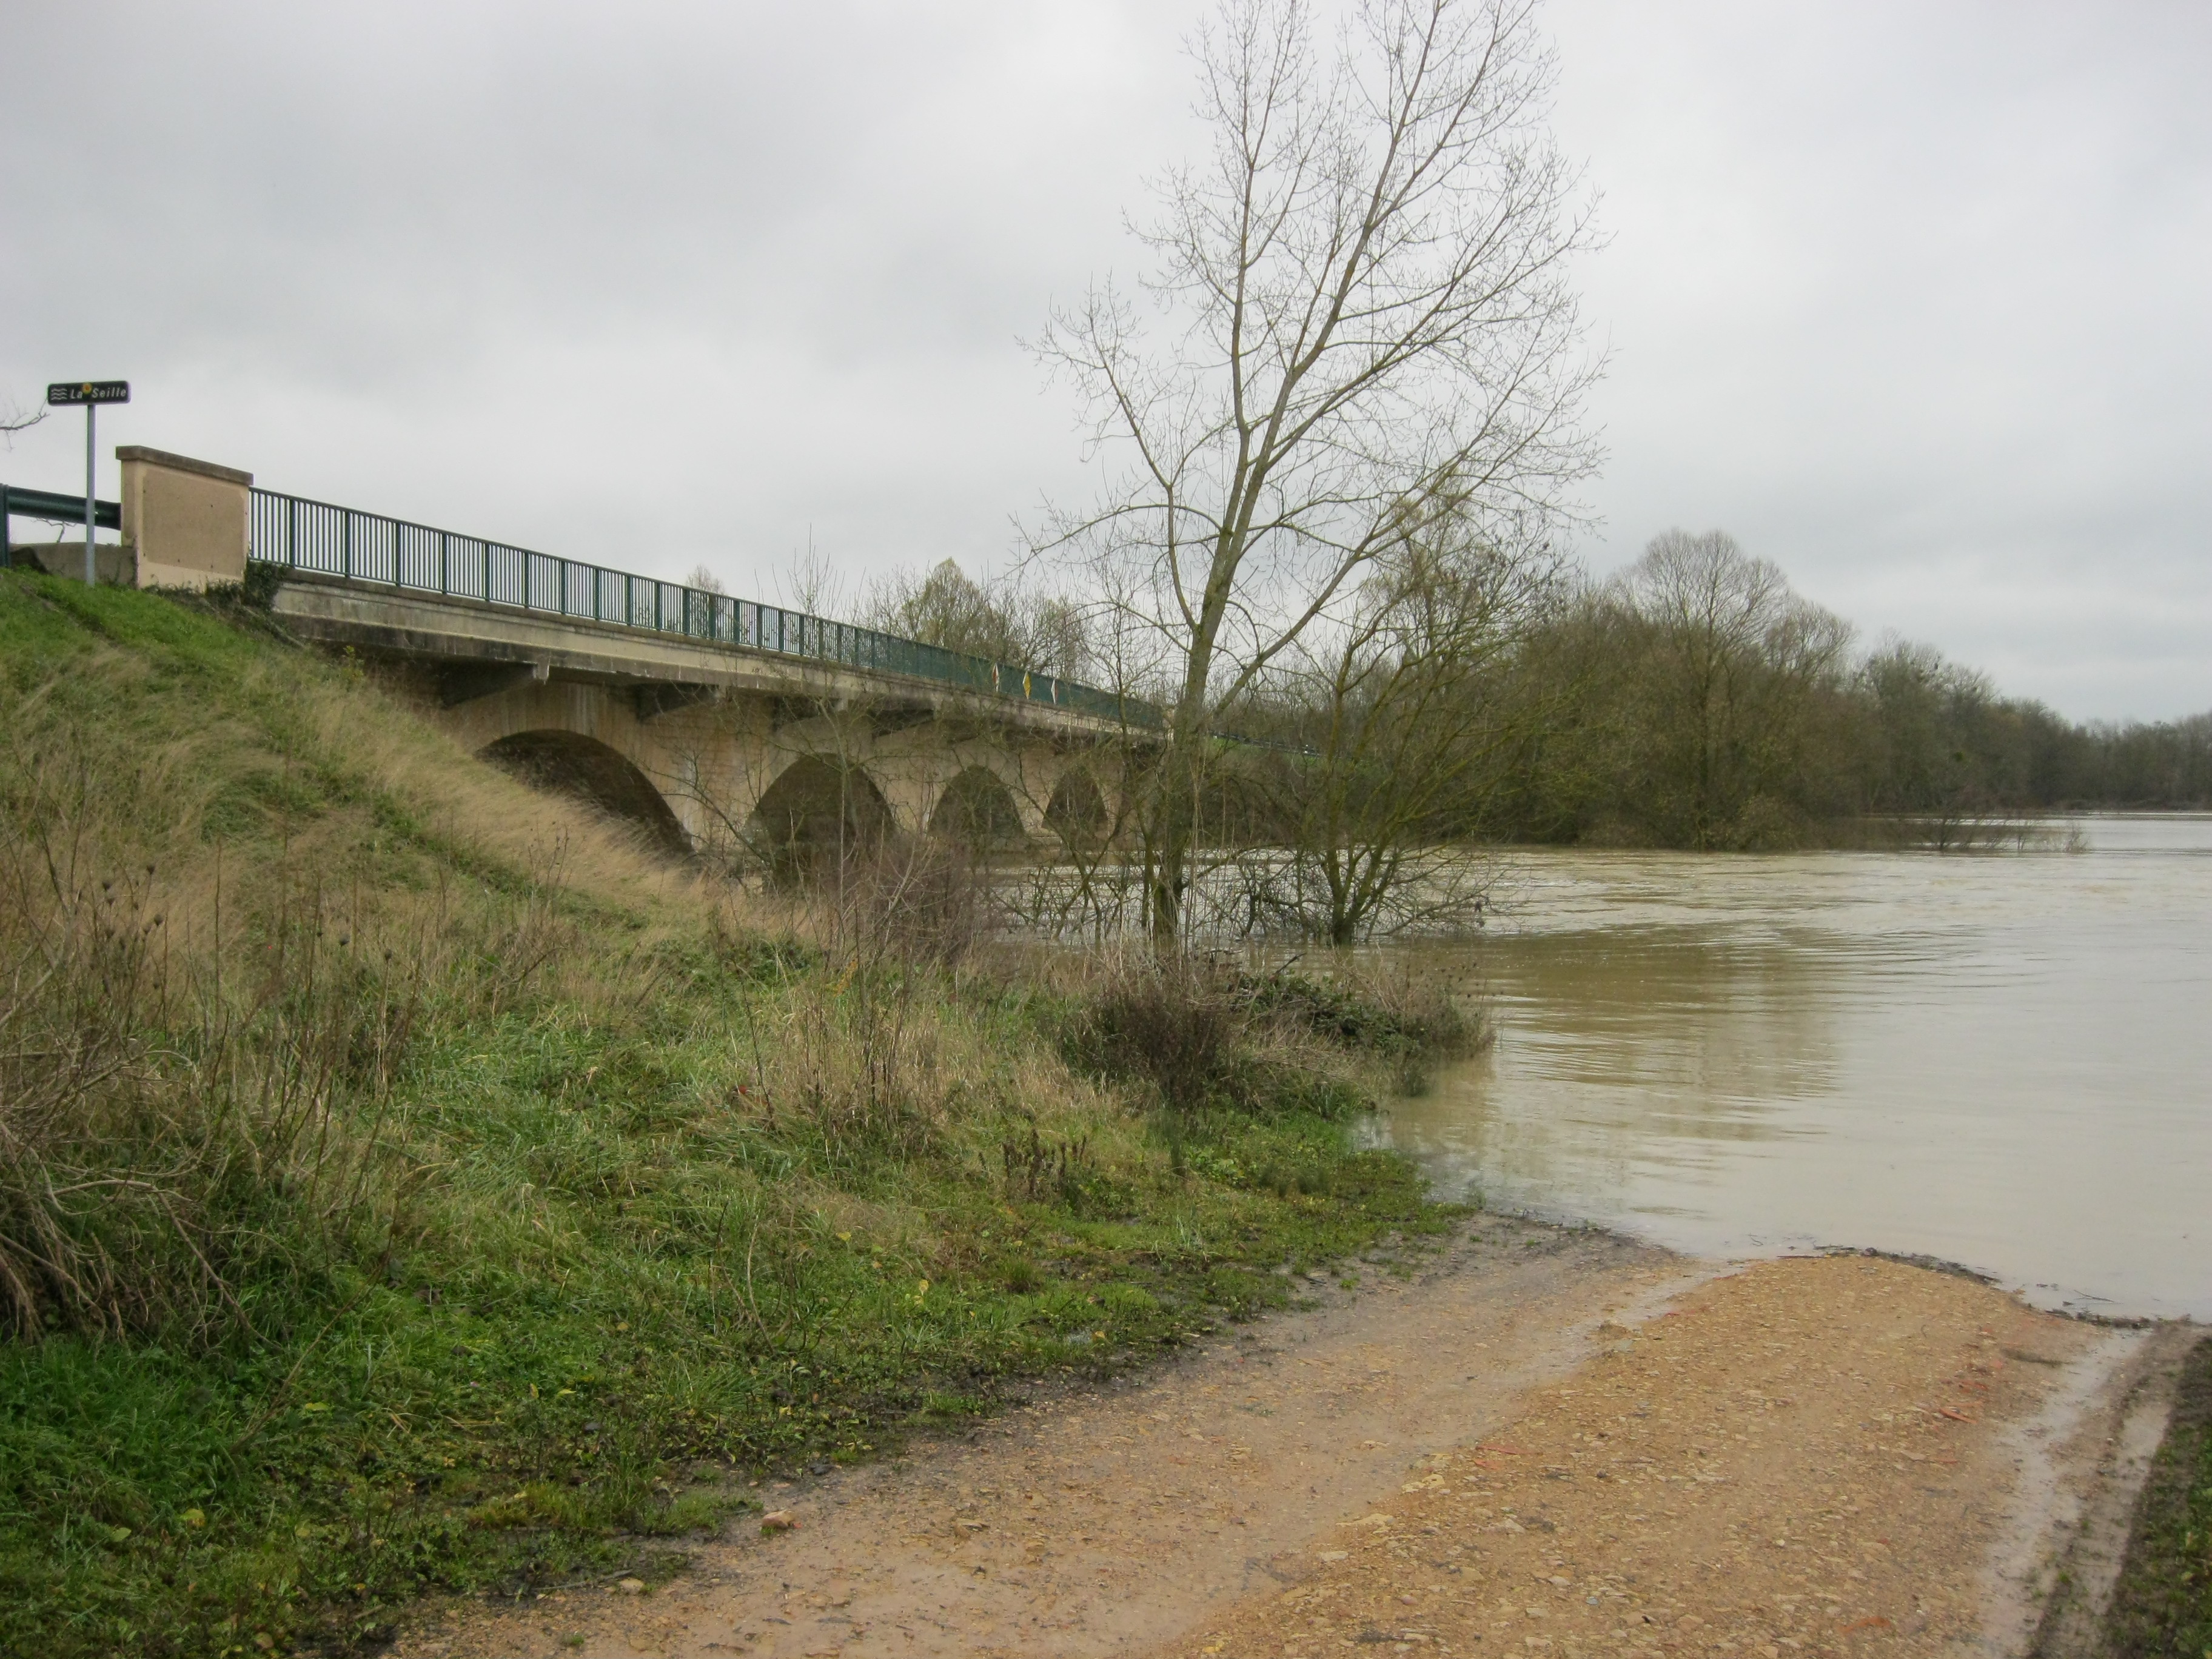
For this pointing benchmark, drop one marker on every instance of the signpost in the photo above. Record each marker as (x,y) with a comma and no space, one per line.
(91,394)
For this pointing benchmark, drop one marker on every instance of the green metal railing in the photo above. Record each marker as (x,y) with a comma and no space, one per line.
(369,548)
(17,502)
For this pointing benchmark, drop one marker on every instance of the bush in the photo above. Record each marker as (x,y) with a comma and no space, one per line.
(1406,1024)
(880,896)
(1169,1023)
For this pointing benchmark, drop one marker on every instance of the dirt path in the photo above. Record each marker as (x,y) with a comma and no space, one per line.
(1545,1440)
(1107,1524)
(1815,1456)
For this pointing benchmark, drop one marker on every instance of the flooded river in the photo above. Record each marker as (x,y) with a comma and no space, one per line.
(2000,1059)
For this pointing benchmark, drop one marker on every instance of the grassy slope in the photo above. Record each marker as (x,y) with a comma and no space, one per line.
(658,1203)
(2162,1605)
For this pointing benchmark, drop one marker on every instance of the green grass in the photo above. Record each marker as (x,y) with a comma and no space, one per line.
(661,1204)
(2161,1606)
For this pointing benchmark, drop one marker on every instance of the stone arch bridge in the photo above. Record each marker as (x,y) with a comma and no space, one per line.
(712,742)
(713,719)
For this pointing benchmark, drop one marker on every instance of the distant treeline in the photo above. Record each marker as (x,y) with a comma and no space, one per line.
(1475,692)
(1697,702)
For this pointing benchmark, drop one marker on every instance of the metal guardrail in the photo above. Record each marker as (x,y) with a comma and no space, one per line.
(55,508)
(298,534)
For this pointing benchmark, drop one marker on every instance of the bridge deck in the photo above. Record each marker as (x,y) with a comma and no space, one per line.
(424,592)
(450,630)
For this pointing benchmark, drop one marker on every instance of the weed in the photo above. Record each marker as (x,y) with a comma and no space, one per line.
(1168,1021)
(1406,1024)
(1056,1171)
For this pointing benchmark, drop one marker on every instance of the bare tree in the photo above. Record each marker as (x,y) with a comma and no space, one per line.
(1360,302)
(998,620)
(1406,714)
(1737,660)
(813,582)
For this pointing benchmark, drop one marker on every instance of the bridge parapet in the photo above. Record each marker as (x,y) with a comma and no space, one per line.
(184,520)
(383,556)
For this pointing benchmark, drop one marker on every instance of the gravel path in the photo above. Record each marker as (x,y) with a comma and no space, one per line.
(1808,1456)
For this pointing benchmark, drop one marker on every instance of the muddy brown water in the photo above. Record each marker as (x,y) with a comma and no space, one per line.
(2003,1060)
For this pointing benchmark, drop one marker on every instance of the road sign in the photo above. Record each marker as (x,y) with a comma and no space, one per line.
(88,392)
(91,394)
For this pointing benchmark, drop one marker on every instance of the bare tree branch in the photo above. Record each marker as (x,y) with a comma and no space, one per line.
(1358,304)
(14,418)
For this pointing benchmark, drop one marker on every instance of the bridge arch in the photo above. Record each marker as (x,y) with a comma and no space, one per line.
(817,806)
(574,764)
(977,809)
(1077,810)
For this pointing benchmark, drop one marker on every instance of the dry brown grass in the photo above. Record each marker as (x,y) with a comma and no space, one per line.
(465,804)
(222,918)
(166,1139)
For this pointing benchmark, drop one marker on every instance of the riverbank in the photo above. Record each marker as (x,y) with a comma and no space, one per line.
(410,1184)
(1551,1440)
(413,1189)
(2159,1547)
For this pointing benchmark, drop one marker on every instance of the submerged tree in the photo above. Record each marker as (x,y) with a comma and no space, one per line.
(1734,670)
(1359,305)
(1405,714)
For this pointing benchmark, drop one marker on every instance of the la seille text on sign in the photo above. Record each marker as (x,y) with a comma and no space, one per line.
(88,392)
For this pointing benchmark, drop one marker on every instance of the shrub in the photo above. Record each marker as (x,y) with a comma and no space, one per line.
(1405,1023)
(1166,1021)
(915,900)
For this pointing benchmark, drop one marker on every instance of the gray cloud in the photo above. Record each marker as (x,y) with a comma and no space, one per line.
(1908,298)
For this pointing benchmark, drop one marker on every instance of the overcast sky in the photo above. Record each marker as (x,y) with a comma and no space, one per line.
(1910,297)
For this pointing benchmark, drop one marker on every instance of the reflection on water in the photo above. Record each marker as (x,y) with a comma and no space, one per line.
(2000,1060)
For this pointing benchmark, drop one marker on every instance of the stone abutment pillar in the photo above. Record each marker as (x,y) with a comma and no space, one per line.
(184,522)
